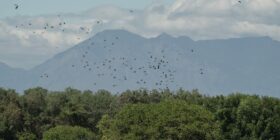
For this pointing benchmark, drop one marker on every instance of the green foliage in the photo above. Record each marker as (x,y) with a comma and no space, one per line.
(86,109)
(34,101)
(249,117)
(26,136)
(10,114)
(166,120)
(138,114)
(68,133)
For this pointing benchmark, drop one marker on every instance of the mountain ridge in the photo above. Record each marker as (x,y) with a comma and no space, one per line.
(118,60)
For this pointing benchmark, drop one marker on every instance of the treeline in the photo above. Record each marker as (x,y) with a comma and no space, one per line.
(136,115)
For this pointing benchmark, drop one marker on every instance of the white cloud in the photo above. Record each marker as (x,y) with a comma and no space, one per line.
(26,46)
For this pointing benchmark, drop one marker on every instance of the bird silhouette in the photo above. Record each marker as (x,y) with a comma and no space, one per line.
(16,6)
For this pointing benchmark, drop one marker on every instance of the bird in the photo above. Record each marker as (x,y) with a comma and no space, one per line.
(44,75)
(240,1)
(16,6)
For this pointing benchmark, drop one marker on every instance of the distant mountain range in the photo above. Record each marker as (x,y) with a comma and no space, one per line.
(117,60)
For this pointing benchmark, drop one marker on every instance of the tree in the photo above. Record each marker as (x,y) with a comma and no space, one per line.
(11,114)
(34,103)
(173,119)
(34,100)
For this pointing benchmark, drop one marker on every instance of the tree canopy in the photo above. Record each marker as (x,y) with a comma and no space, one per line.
(138,114)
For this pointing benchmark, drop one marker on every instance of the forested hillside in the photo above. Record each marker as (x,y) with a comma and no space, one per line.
(140,114)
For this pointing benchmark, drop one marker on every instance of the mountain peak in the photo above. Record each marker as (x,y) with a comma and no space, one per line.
(118,33)
(164,35)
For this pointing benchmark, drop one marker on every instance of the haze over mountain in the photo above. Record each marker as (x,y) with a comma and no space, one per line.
(118,60)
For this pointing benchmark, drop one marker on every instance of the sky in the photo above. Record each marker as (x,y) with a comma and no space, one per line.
(42,7)
(24,43)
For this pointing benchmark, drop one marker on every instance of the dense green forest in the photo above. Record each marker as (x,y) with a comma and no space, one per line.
(136,115)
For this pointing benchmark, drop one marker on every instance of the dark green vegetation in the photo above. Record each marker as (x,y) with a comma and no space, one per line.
(136,115)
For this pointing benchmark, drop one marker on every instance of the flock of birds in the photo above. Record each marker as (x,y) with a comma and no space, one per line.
(59,26)
(158,64)
(120,69)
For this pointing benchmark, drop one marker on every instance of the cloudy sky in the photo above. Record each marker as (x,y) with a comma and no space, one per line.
(39,29)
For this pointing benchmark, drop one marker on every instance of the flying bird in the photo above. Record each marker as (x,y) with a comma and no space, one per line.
(16,6)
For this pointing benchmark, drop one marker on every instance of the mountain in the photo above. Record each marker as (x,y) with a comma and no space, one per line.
(118,60)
